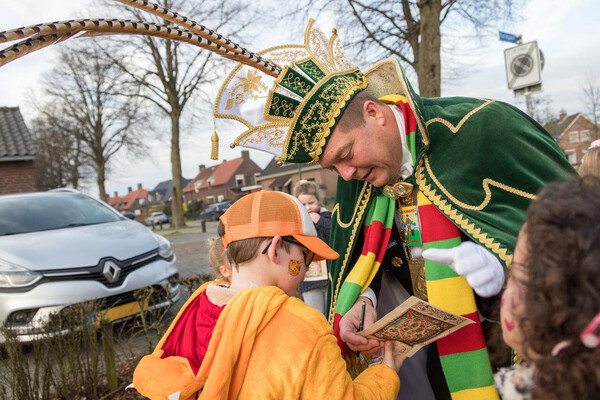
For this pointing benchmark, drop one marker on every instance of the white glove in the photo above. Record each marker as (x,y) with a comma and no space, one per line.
(479,266)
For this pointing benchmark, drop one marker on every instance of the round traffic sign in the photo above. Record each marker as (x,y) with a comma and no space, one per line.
(522,65)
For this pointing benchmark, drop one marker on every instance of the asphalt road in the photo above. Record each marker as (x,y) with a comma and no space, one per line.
(191,247)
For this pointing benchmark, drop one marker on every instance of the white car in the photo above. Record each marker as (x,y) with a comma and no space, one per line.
(157,218)
(62,247)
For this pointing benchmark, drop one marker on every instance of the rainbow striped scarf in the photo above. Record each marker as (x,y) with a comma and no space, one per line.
(463,354)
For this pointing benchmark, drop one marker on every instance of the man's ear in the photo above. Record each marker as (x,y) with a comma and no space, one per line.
(372,111)
(273,252)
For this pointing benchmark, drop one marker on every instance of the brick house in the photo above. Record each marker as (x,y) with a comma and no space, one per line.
(284,178)
(115,201)
(226,181)
(135,201)
(162,194)
(573,134)
(191,192)
(17,153)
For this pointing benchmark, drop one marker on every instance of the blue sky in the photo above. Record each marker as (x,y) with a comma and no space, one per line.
(567,32)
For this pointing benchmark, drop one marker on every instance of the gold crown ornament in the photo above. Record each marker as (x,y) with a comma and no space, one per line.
(291,116)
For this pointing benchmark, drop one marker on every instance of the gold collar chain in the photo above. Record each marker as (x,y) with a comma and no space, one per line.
(399,190)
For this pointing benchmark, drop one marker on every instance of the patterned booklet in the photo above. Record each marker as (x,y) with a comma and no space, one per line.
(317,270)
(414,324)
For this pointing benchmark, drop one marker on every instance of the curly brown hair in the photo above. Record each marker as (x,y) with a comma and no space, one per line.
(563,288)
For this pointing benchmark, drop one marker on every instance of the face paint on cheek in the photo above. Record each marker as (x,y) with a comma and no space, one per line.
(513,304)
(294,267)
(509,324)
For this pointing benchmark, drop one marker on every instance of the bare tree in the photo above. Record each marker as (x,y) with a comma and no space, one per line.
(59,161)
(172,75)
(540,107)
(591,98)
(87,90)
(411,30)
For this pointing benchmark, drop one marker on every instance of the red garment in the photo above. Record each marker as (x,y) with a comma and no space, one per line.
(192,332)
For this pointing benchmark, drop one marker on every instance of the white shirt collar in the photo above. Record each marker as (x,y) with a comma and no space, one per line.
(406,169)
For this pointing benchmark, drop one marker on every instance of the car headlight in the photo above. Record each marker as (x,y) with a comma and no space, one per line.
(15,276)
(164,248)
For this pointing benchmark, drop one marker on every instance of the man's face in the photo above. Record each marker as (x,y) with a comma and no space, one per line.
(372,152)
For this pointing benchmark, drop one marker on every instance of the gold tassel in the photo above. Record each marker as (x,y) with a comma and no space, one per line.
(214,149)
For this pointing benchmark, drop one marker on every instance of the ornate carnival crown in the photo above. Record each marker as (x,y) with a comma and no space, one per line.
(291,116)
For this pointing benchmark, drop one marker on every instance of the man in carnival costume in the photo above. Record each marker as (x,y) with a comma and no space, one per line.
(438,186)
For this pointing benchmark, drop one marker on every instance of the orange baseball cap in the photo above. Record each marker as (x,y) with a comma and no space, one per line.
(269,213)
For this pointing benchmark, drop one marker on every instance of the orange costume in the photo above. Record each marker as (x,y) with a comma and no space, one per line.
(264,345)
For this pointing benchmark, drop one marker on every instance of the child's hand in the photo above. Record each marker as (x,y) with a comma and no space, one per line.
(315,216)
(392,359)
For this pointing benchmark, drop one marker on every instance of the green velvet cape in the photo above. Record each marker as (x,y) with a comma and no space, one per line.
(479,161)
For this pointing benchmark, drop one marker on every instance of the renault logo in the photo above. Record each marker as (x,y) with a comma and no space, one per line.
(111,271)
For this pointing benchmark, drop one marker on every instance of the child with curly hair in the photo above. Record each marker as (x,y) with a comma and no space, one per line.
(551,306)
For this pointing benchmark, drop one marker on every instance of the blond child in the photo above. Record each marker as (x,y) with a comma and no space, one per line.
(217,258)
(253,339)
(314,292)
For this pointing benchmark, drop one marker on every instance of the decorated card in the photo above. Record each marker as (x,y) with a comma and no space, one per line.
(409,225)
(414,324)
(317,270)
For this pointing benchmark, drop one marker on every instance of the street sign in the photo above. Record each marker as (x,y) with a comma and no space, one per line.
(523,66)
(509,37)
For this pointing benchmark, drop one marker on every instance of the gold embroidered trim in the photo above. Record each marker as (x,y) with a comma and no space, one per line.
(299,112)
(486,183)
(289,51)
(359,210)
(321,139)
(262,132)
(454,129)
(458,217)
(319,50)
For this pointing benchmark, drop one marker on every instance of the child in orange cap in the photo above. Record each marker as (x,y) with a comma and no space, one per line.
(253,338)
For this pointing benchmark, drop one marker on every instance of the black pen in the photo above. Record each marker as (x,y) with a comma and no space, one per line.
(362,320)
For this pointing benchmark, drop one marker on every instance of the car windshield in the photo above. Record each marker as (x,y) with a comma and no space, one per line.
(210,207)
(24,214)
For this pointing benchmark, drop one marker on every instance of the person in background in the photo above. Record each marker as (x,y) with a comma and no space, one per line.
(217,257)
(314,292)
(590,165)
(252,339)
(550,308)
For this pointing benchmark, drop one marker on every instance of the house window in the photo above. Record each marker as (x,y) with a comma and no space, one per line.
(585,136)
(239,180)
(571,156)
(574,137)
(256,175)
(220,198)
(211,180)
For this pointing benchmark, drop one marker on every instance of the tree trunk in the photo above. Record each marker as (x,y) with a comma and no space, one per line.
(429,61)
(100,177)
(176,202)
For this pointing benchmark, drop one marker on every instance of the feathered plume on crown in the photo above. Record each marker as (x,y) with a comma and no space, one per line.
(289,112)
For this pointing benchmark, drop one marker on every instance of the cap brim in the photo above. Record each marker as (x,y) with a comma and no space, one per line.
(319,247)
